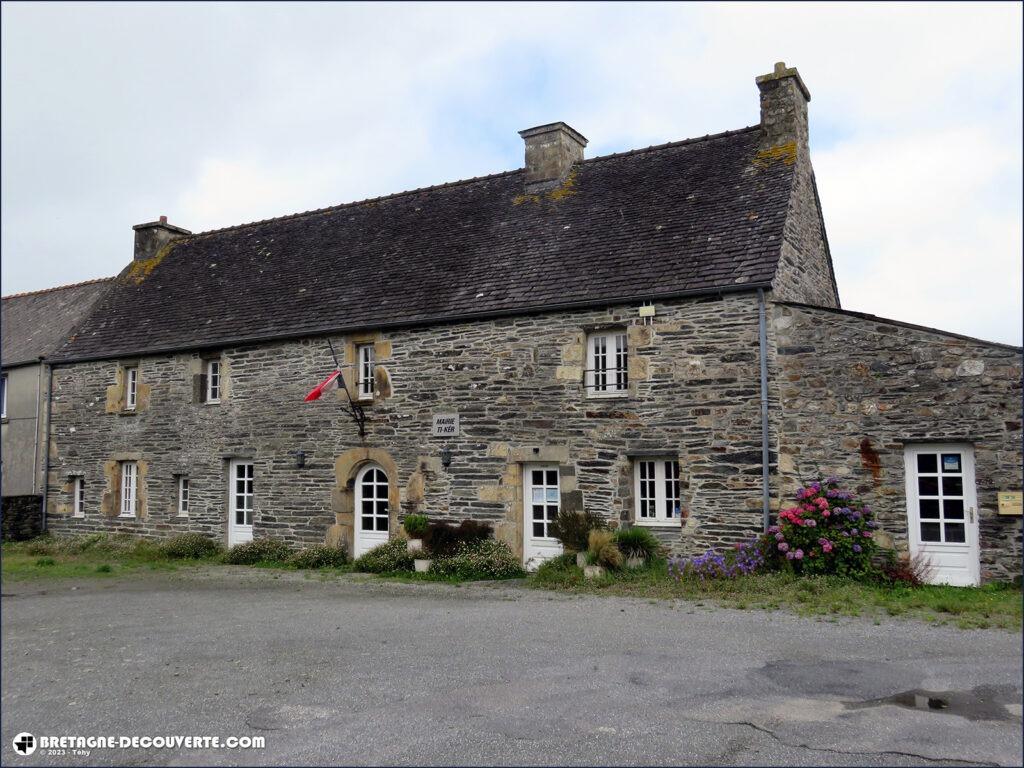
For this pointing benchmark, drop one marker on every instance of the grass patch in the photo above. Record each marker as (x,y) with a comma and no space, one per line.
(992,605)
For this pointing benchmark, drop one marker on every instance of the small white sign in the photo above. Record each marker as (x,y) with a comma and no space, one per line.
(445,425)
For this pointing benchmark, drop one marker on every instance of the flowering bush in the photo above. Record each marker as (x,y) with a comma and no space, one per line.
(828,531)
(745,559)
(486,559)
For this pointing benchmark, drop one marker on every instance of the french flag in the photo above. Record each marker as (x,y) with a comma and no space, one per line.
(323,386)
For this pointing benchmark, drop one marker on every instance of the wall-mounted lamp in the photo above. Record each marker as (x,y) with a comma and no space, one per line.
(446,457)
(300,459)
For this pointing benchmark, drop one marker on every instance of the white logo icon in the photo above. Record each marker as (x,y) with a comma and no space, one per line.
(25,744)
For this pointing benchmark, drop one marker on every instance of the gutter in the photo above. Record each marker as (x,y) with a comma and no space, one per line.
(46,445)
(420,323)
(762,333)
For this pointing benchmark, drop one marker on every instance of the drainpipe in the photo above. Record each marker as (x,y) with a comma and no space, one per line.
(763,343)
(35,438)
(46,442)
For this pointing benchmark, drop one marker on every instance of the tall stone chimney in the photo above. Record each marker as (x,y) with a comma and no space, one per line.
(550,152)
(154,235)
(784,100)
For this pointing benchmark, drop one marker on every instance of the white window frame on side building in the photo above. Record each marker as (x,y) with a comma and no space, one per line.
(78,496)
(129,488)
(365,363)
(131,387)
(657,490)
(607,372)
(183,495)
(213,381)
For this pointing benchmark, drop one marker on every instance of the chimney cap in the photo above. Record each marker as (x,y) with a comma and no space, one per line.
(162,223)
(539,130)
(781,72)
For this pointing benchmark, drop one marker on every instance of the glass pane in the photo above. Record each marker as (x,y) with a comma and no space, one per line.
(953,509)
(367,524)
(367,507)
(552,512)
(643,508)
(538,511)
(929,508)
(538,495)
(538,477)
(927,462)
(951,462)
(552,477)
(930,532)
(538,529)
(928,486)
(552,495)
(953,486)
(240,486)
(955,533)
(382,523)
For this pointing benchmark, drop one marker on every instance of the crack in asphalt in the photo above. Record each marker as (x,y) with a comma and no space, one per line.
(772,734)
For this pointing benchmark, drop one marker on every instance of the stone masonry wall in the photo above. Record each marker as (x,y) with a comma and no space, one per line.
(855,390)
(516,384)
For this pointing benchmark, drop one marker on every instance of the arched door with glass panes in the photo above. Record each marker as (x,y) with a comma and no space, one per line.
(371,509)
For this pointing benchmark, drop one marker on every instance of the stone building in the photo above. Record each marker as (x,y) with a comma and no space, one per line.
(33,326)
(655,335)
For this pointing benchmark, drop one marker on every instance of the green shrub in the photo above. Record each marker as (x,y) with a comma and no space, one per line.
(638,542)
(416,525)
(602,550)
(190,546)
(319,556)
(41,545)
(258,551)
(483,559)
(45,562)
(573,529)
(443,539)
(391,556)
(105,568)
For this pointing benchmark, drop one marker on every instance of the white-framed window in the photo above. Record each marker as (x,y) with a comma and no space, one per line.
(3,396)
(78,496)
(213,381)
(182,495)
(364,380)
(607,363)
(129,487)
(131,387)
(656,489)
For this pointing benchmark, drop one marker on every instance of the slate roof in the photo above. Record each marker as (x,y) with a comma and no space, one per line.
(36,324)
(688,217)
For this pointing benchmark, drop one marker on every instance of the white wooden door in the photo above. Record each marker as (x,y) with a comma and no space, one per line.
(541,501)
(942,511)
(371,509)
(240,502)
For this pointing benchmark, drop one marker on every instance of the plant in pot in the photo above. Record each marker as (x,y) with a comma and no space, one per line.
(638,545)
(602,553)
(415,526)
(573,529)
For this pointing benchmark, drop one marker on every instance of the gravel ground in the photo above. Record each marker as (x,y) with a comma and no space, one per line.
(360,672)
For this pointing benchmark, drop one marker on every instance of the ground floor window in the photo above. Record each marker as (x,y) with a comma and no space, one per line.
(656,490)
(183,488)
(78,496)
(129,487)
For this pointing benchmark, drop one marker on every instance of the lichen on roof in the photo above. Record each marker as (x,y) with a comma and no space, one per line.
(562,191)
(141,269)
(784,152)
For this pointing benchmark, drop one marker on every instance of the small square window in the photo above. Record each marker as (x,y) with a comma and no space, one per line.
(213,381)
(607,370)
(657,491)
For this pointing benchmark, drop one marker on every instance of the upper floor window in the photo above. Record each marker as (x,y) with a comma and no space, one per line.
(364,379)
(131,387)
(656,484)
(183,495)
(606,363)
(213,381)
(78,497)
(3,396)
(129,487)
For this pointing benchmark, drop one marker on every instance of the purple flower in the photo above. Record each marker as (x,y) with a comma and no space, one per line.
(779,536)
(846,534)
(811,524)
(789,555)
(783,547)
(856,547)
(799,554)
(866,534)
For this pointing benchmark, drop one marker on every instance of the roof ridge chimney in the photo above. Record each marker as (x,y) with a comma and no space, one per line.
(784,100)
(551,151)
(154,235)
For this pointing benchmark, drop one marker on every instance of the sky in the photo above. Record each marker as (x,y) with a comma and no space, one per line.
(218,114)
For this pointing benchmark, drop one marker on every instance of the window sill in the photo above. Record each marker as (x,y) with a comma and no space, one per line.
(211,402)
(126,412)
(675,522)
(126,517)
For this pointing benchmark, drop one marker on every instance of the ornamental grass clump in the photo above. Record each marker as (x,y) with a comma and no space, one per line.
(827,532)
(602,549)
(573,529)
(638,542)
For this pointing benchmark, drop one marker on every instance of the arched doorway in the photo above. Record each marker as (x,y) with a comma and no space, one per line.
(371,508)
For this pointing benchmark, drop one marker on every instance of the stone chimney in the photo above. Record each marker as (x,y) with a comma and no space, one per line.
(550,152)
(784,100)
(154,235)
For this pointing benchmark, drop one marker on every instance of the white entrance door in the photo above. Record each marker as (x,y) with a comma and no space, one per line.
(371,524)
(541,498)
(942,511)
(240,502)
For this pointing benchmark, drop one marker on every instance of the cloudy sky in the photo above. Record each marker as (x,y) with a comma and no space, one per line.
(221,114)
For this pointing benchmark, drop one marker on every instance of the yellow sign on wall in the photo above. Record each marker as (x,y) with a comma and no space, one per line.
(1010,503)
